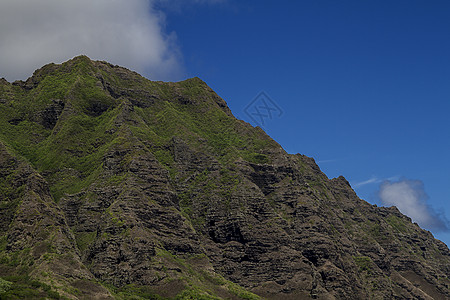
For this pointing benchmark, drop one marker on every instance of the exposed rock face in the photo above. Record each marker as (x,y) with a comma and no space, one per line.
(114,186)
(35,232)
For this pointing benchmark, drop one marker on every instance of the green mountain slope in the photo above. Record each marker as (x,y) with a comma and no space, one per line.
(114,186)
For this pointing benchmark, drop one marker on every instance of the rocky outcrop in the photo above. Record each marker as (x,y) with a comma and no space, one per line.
(37,239)
(123,187)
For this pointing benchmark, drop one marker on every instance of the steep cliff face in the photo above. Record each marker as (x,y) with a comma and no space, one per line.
(114,186)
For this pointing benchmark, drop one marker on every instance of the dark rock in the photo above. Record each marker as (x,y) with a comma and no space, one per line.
(49,116)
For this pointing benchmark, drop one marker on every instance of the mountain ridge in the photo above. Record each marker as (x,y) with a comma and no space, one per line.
(114,186)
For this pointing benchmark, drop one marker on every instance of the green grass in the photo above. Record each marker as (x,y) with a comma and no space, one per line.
(132,291)
(363,262)
(5,286)
(23,287)
(396,223)
(195,293)
(84,239)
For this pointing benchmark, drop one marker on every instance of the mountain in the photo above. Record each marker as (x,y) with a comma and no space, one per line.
(116,187)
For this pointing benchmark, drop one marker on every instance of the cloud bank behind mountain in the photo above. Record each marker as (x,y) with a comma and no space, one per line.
(128,33)
(410,198)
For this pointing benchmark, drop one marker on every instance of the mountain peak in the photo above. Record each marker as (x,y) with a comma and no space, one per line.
(115,186)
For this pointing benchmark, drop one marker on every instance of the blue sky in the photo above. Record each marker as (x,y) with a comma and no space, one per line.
(363,86)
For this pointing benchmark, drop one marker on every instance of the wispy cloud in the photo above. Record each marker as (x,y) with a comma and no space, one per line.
(366,182)
(372,180)
(324,161)
(410,198)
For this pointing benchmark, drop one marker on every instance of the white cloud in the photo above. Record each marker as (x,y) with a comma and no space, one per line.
(410,198)
(124,32)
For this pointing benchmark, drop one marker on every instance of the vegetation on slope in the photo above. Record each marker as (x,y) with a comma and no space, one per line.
(65,119)
(114,186)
